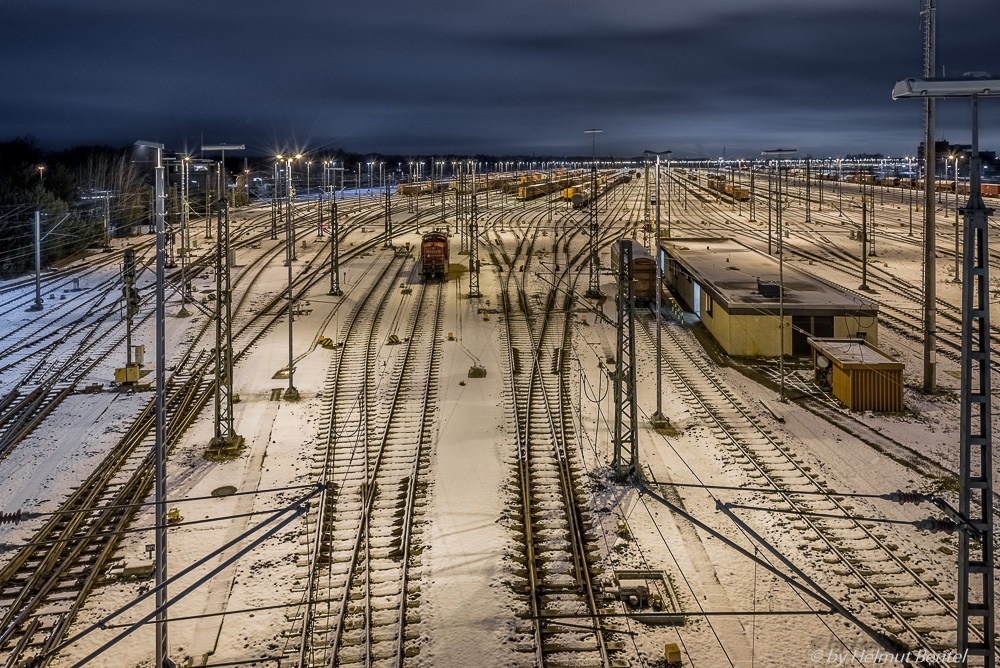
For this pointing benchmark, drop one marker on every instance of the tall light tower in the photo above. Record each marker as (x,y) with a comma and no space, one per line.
(291,393)
(975,560)
(160,445)
(930,226)
(777,153)
(657,417)
(594,289)
(185,235)
(226,439)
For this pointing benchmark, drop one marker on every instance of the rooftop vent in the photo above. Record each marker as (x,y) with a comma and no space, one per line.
(768,289)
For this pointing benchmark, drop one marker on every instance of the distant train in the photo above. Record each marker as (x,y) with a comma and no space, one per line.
(643,272)
(581,196)
(720,184)
(421,188)
(434,255)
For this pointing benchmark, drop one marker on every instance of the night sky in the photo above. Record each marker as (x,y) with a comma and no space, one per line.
(513,77)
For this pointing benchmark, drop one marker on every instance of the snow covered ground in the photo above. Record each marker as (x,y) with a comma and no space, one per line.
(465,610)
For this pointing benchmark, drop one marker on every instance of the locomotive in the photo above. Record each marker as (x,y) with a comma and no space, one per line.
(434,255)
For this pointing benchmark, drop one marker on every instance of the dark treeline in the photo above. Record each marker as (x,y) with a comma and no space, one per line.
(87,195)
(82,193)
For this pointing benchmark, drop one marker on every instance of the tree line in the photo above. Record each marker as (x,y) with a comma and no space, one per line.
(84,194)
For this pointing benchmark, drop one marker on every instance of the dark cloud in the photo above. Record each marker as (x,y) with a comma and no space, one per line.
(520,76)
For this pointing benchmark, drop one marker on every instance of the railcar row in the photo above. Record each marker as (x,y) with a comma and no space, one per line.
(719,184)
(643,272)
(538,184)
(422,188)
(580,196)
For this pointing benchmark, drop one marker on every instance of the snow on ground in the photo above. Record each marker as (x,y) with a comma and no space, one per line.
(465,607)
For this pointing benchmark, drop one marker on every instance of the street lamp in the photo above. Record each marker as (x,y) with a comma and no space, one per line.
(658,418)
(954,158)
(291,393)
(594,289)
(160,443)
(975,430)
(777,153)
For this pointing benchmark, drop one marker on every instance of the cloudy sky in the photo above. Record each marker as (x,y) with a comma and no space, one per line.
(465,77)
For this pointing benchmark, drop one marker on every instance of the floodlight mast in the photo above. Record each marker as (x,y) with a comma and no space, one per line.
(658,418)
(160,441)
(225,437)
(976,456)
(594,289)
(777,153)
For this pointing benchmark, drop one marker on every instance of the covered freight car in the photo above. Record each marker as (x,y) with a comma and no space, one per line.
(434,255)
(643,272)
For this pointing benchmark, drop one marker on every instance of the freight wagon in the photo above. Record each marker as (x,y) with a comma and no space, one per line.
(643,272)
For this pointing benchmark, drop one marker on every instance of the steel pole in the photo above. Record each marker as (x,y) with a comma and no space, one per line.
(291,392)
(930,244)
(659,277)
(37,306)
(162,646)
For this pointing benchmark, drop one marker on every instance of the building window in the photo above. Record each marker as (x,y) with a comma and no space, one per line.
(709,303)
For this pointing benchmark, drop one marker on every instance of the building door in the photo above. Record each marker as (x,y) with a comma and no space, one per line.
(823,326)
(801,330)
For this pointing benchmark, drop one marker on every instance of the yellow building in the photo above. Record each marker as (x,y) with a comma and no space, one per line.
(733,289)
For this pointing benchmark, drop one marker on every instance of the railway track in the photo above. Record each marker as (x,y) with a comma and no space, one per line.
(47,581)
(559,604)
(43,586)
(870,570)
(373,450)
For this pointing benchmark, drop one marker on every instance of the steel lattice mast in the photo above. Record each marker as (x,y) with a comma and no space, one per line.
(474,249)
(976,603)
(975,566)
(388,219)
(334,251)
(594,288)
(626,443)
(225,437)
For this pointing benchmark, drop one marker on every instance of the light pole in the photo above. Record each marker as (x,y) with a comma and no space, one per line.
(308,166)
(594,289)
(657,418)
(160,466)
(976,433)
(185,238)
(291,393)
(910,181)
(777,153)
(958,276)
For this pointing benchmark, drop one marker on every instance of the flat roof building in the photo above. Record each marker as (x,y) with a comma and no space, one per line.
(734,291)
(858,374)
